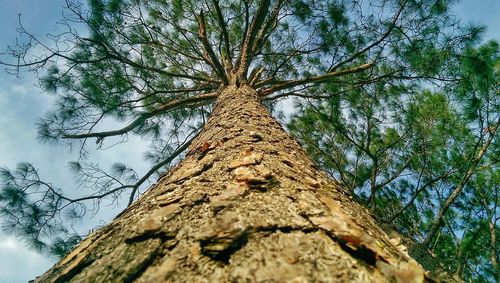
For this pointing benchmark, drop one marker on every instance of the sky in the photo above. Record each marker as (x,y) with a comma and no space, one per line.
(22,103)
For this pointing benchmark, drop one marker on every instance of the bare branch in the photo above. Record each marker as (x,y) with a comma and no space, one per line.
(247,48)
(180,149)
(373,44)
(266,29)
(225,36)
(146,115)
(209,54)
(314,79)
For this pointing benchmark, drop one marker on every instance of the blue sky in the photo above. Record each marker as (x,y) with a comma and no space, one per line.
(21,103)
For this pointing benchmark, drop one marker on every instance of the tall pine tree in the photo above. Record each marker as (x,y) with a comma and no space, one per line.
(245,203)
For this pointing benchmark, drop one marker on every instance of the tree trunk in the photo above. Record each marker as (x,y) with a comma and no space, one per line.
(246,205)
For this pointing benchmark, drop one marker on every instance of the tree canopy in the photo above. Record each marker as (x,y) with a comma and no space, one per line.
(396,100)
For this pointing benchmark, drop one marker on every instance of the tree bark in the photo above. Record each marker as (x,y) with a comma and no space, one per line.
(245,205)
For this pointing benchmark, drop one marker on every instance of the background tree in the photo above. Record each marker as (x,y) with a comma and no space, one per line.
(414,158)
(155,67)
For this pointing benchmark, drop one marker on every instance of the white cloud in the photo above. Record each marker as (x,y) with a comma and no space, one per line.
(18,263)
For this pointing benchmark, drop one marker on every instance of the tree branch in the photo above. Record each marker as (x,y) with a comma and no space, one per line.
(144,116)
(181,148)
(458,189)
(314,79)
(396,174)
(266,29)
(247,48)
(378,41)
(225,36)
(209,54)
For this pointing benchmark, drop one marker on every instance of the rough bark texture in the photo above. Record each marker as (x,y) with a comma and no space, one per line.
(246,205)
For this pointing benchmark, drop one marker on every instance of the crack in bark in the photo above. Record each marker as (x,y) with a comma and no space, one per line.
(210,247)
(286,229)
(141,268)
(66,277)
(359,252)
(263,184)
(195,173)
(162,235)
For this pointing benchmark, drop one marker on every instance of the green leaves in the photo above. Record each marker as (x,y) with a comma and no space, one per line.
(301,10)
(399,133)
(478,90)
(336,13)
(403,150)
(440,7)
(62,246)
(23,216)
